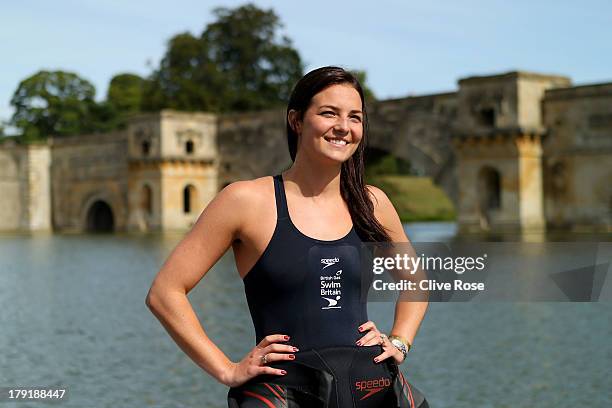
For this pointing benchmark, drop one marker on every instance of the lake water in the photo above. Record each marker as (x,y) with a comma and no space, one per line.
(72,312)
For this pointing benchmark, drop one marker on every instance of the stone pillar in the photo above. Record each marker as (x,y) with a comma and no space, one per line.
(36,189)
(530,183)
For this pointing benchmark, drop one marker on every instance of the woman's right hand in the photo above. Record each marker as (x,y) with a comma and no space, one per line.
(253,365)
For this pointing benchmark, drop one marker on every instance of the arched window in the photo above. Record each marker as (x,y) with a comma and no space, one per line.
(489,182)
(145,147)
(189,147)
(189,197)
(146,203)
(558,174)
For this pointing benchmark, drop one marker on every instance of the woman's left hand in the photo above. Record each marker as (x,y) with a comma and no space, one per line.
(374,337)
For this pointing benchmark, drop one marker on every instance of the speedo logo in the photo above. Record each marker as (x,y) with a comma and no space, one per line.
(329,261)
(372,386)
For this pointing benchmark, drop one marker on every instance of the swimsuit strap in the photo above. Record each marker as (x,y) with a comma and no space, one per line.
(282,212)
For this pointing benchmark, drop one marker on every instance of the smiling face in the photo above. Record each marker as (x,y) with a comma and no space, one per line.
(332,126)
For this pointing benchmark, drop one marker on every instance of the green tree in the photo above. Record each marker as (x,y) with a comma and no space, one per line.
(240,62)
(367,91)
(125,92)
(259,65)
(53,103)
(124,98)
(186,78)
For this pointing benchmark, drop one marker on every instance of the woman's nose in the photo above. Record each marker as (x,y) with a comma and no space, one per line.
(342,125)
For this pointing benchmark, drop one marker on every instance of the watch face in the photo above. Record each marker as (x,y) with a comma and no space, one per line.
(400,346)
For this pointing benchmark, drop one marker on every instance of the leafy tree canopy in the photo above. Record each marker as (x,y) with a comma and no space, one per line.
(124,98)
(53,103)
(186,78)
(367,92)
(125,92)
(240,62)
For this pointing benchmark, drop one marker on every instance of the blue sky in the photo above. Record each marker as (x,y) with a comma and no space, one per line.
(406,47)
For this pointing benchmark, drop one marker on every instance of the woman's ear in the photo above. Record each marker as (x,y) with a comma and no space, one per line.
(294,121)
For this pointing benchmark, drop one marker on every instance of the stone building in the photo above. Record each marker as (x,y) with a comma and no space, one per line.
(158,174)
(533,152)
(516,151)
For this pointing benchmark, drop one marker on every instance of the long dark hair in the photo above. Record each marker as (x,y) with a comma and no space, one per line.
(352,184)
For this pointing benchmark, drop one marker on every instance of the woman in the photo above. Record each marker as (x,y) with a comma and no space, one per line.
(300,267)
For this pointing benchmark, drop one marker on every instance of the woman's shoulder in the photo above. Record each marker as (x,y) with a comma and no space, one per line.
(384,211)
(236,205)
(379,197)
(248,192)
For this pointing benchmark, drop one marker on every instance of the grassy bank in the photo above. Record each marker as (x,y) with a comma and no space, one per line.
(415,198)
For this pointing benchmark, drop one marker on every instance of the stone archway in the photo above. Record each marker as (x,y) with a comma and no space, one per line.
(428,152)
(489,194)
(146,199)
(100,217)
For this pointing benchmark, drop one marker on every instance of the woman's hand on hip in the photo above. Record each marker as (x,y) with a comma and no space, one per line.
(255,362)
(374,337)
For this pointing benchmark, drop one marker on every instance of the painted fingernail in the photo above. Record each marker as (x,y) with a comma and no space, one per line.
(291,356)
(283,372)
(361,329)
(358,342)
(376,360)
(296,349)
(286,337)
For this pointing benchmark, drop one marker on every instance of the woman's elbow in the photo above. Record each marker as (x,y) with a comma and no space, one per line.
(161,296)
(152,299)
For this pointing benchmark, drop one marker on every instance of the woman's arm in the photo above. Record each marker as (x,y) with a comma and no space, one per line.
(408,314)
(211,236)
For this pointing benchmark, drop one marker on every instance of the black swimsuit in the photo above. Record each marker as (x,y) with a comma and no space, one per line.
(306,288)
(311,290)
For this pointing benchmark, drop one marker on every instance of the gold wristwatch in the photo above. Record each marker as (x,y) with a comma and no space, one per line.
(401,344)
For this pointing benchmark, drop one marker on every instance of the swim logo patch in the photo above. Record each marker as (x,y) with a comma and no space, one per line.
(331,284)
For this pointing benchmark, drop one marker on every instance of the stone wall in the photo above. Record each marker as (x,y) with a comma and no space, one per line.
(37,197)
(174,178)
(578,157)
(530,91)
(24,188)
(168,132)
(12,180)
(252,145)
(87,169)
(495,154)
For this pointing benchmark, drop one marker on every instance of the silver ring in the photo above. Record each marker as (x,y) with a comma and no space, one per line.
(264,359)
(383,337)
